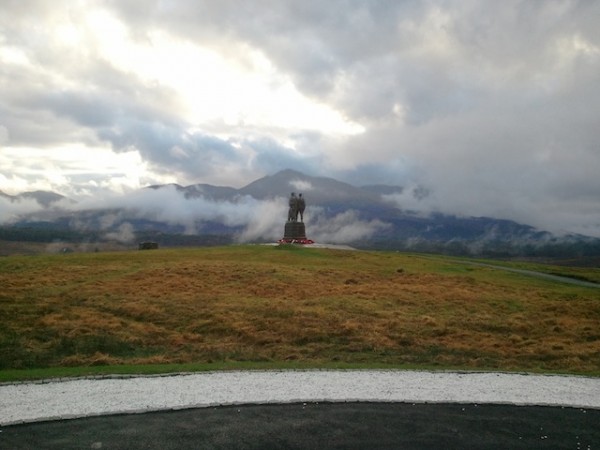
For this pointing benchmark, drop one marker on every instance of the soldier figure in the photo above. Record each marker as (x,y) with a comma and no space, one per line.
(295,231)
(293,211)
(301,207)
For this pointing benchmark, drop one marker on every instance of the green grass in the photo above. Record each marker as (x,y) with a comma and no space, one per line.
(20,375)
(255,307)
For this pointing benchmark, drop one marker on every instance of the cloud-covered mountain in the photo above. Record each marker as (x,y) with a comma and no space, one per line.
(370,217)
(493,106)
(43,198)
(321,191)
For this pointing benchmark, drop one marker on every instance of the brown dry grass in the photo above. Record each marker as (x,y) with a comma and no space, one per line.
(255,303)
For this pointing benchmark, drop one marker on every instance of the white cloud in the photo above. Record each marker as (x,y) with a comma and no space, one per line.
(343,228)
(239,86)
(76,171)
(265,222)
(4,135)
(493,106)
(124,233)
(11,211)
(258,219)
(301,185)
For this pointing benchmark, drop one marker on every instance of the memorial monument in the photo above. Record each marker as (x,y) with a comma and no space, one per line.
(295,231)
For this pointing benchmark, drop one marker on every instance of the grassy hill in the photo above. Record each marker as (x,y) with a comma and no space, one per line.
(269,306)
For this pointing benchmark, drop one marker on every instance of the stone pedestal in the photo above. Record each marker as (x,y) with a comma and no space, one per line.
(294,230)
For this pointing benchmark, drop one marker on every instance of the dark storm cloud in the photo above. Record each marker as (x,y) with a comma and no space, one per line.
(271,156)
(170,147)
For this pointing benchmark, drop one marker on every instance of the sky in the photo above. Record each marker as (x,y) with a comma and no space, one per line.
(492,107)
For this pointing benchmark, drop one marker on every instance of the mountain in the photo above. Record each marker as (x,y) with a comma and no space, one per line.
(317,190)
(383,189)
(337,212)
(44,198)
(219,193)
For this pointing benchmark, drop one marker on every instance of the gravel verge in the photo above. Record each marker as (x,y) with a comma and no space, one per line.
(75,398)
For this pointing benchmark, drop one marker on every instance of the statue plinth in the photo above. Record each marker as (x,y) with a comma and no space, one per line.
(294,230)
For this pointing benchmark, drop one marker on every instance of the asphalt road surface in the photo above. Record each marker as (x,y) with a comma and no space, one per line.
(532,273)
(320,426)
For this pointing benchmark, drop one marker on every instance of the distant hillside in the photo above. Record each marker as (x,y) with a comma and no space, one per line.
(317,190)
(44,198)
(383,189)
(203,190)
(337,212)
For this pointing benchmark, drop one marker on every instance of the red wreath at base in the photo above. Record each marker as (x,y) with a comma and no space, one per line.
(302,241)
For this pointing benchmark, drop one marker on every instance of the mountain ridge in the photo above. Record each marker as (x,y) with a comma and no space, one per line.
(337,212)
(44,198)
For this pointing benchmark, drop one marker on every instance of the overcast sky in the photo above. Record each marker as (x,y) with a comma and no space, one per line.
(493,106)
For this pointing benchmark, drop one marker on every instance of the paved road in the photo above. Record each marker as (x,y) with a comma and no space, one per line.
(533,273)
(321,425)
(391,409)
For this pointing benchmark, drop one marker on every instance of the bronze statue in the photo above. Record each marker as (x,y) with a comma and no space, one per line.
(295,231)
(293,211)
(297,206)
(301,206)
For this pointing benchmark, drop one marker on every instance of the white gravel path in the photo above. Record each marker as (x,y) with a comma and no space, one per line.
(54,400)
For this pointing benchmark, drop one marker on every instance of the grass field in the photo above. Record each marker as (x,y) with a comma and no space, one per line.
(269,306)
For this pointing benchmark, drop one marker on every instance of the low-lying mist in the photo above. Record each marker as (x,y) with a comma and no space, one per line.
(251,219)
